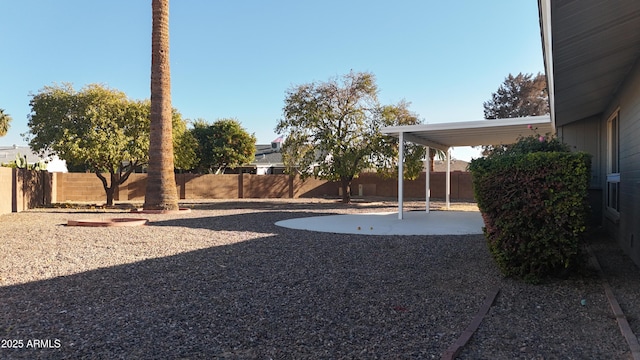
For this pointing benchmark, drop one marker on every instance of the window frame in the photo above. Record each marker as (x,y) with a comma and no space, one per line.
(612,190)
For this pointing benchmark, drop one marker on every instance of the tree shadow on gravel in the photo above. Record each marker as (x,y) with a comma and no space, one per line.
(284,297)
(261,222)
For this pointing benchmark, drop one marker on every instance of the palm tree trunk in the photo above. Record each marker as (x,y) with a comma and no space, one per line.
(161,192)
(432,160)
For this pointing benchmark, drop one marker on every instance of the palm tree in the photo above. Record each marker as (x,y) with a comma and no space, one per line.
(161,192)
(5,119)
(433,153)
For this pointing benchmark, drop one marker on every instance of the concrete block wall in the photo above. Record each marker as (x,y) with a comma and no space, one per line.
(22,189)
(86,187)
(265,186)
(80,187)
(208,186)
(6,192)
(374,185)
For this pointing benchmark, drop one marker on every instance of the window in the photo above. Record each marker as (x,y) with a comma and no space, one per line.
(613,163)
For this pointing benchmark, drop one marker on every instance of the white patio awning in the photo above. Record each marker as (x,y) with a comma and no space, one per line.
(471,133)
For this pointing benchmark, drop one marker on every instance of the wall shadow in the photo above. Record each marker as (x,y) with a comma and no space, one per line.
(260,222)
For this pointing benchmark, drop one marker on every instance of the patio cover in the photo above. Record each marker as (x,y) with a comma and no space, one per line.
(444,136)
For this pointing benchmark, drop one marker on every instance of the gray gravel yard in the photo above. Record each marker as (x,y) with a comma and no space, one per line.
(223,282)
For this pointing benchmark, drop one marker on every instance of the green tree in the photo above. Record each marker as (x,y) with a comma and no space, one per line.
(519,96)
(332,129)
(386,153)
(97,128)
(161,192)
(397,115)
(185,146)
(5,120)
(223,144)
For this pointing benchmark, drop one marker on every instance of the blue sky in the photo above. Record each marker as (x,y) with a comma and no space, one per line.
(238,58)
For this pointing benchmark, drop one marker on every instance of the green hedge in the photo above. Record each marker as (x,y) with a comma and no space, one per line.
(533,199)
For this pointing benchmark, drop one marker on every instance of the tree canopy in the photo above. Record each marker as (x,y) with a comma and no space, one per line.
(99,128)
(519,96)
(5,120)
(386,155)
(332,129)
(223,144)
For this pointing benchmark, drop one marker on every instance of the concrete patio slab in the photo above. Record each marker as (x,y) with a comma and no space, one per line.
(413,223)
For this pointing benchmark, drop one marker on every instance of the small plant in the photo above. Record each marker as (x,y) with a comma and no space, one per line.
(533,199)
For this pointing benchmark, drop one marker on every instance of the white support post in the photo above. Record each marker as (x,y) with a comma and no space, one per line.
(448,180)
(400,174)
(427,171)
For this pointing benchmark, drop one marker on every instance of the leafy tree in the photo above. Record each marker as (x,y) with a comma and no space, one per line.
(223,144)
(333,129)
(519,96)
(97,128)
(386,155)
(161,192)
(185,146)
(5,120)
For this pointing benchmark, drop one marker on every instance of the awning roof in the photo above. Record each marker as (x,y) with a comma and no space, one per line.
(471,133)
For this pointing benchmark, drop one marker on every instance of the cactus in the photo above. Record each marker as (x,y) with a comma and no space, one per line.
(21,161)
(40,165)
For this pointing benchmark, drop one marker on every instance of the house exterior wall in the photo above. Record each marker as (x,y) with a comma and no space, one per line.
(590,135)
(585,135)
(627,228)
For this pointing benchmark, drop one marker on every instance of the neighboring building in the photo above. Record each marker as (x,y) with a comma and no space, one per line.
(9,154)
(269,158)
(267,161)
(456,165)
(592,61)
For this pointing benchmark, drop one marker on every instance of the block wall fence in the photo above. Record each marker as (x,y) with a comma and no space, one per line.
(21,189)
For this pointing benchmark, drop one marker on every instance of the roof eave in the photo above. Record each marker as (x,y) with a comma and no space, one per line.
(544,10)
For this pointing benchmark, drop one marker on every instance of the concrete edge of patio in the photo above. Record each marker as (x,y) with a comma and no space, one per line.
(413,223)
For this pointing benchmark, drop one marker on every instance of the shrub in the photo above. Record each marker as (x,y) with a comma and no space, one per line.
(533,199)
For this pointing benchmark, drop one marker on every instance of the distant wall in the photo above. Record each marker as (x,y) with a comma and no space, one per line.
(86,187)
(22,189)
(74,187)
(6,193)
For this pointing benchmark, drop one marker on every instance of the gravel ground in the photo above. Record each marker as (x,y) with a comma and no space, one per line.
(223,282)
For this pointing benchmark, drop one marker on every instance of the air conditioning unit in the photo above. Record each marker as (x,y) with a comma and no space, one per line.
(276,145)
